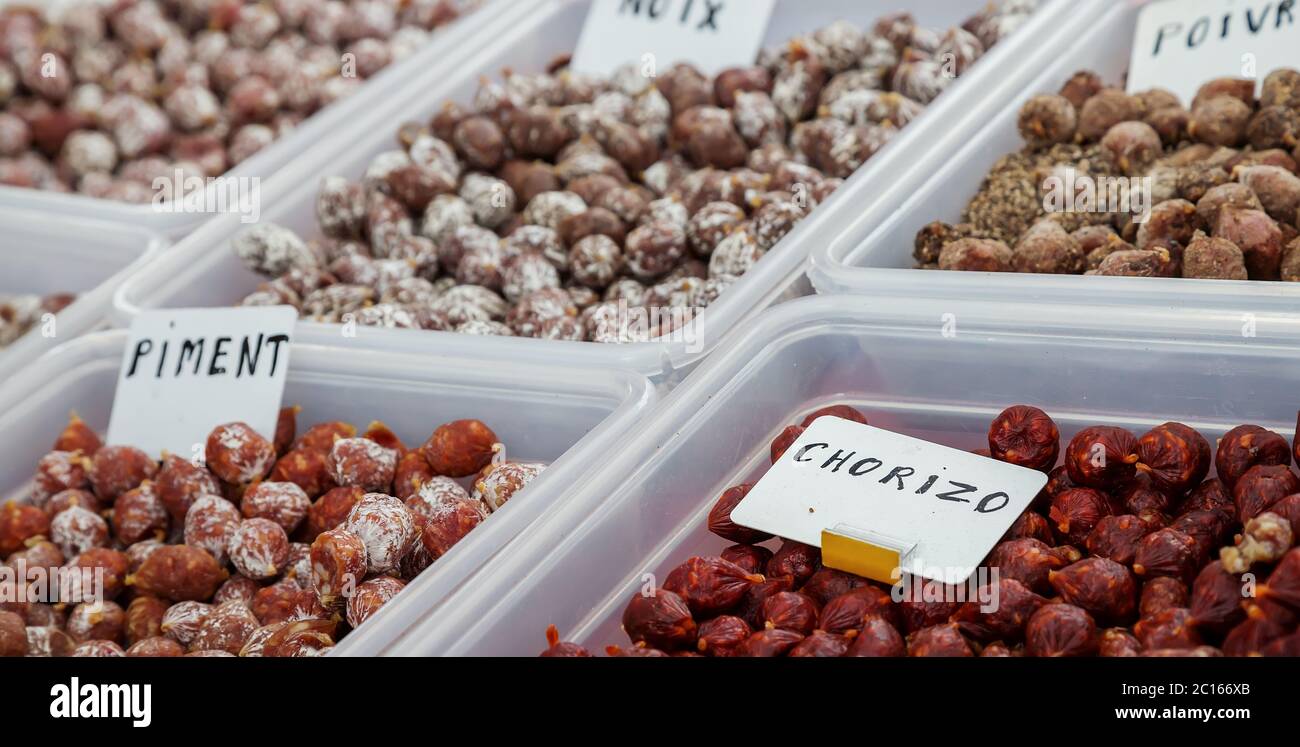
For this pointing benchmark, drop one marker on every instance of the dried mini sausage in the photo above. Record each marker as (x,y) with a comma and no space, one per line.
(1015,603)
(1118,643)
(387,528)
(103,621)
(460,448)
(555,648)
(1060,630)
(284,503)
(1172,628)
(753,558)
(660,619)
(183,621)
(363,463)
(238,454)
(877,638)
(1077,511)
(209,525)
(820,644)
(1025,436)
(720,522)
(721,635)
(369,597)
(1244,447)
(1162,593)
(117,469)
(829,583)
(338,565)
(259,548)
(710,585)
(1100,586)
(138,515)
(795,559)
(18,524)
(1101,456)
(944,640)
(226,628)
(790,610)
(156,647)
(1260,487)
(1175,456)
(179,573)
(768,643)
(1029,561)
(1216,599)
(144,616)
(1166,552)
(179,483)
(330,511)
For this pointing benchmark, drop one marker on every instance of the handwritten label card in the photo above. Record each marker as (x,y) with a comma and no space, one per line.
(712,35)
(948,507)
(1181,44)
(186,371)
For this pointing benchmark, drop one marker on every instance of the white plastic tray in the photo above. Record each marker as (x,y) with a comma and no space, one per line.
(205,272)
(873,254)
(42,254)
(645,510)
(434,59)
(563,416)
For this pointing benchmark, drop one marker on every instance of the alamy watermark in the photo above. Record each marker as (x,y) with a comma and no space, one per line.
(981,586)
(180,193)
(1068,191)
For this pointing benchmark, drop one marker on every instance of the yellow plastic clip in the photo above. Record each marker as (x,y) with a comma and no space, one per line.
(867,554)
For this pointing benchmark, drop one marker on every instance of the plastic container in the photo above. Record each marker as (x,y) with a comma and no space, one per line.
(434,59)
(559,415)
(644,513)
(873,255)
(206,272)
(67,255)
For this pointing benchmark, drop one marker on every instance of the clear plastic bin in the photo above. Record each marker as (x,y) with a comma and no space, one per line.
(66,255)
(562,416)
(436,58)
(645,512)
(206,272)
(873,255)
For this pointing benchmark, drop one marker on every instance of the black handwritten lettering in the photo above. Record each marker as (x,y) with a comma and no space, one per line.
(161,360)
(190,348)
(983,506)
(142,348)
(898,473)
(951,495)
(1170,30)
(711,20)
(275,341)
(218,352)
(248,355)
(1201,28)
(799,457)
(838,459)
(686,11)
(657,8)
(1250,19)
(1284,9)
(929,483)
(857,471)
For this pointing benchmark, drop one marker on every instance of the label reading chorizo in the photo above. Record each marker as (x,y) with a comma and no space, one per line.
(711,34)
(186,371)
(1181,44)
(946,507)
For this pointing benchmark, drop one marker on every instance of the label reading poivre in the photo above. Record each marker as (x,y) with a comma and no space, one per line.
(950,506)
(1181,44)
(711,34)
(186,371)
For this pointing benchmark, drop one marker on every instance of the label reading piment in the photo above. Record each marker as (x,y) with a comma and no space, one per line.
(1181,44)
(712,34)
(186,371)
(949,506)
